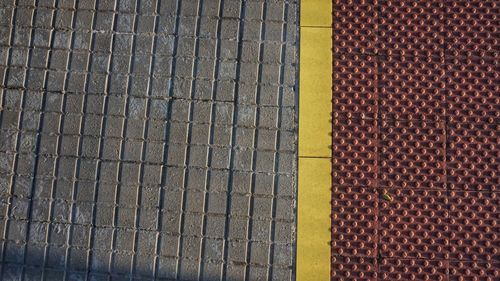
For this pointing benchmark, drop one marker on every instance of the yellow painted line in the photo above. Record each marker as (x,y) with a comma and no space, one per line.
(316,13)
(315,92)
(313,219)
(314,176)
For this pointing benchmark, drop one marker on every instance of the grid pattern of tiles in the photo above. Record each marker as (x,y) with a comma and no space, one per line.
(147,139)
(416,135)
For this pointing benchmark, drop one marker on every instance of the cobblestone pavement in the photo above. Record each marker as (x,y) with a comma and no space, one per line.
(145,139)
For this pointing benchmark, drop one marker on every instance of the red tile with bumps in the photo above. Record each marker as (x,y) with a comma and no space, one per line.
(416,140)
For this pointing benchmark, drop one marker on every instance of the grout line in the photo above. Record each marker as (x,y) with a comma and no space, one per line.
(257,116)
(162,194)
(154,163)
(17,145)
(227,220)
(80,140)
(98,274)
(208,173)
(196,101)
(146,129)
(131,67)
(120,53)
(8,60)
(277,144)
(225,126)
(97,184)
(12,178)
(58,151)
(127,228)
(138,195)
(314,157)
(187,149)
(127,13)
(38,143)
(317,26)
(69,156)
(291,130)
(148,231)
(295,181)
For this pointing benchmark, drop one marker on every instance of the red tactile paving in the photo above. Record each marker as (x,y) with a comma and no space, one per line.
(474,271)
(416,140)
(473,156)
(475,226)
(413,269)
(410,27)
(355,26)
(354,152)
(473,87)
(354,268)
(472,25)
(354,221)
(411,87)
(355,86)
(414,225)
(412,154)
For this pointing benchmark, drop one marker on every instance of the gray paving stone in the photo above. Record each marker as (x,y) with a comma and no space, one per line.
(148,140)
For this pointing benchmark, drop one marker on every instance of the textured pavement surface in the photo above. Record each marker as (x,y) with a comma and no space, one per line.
(145,139)
(416,140)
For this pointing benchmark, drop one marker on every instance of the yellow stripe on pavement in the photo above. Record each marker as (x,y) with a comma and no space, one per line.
(314,176)
(315,92)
